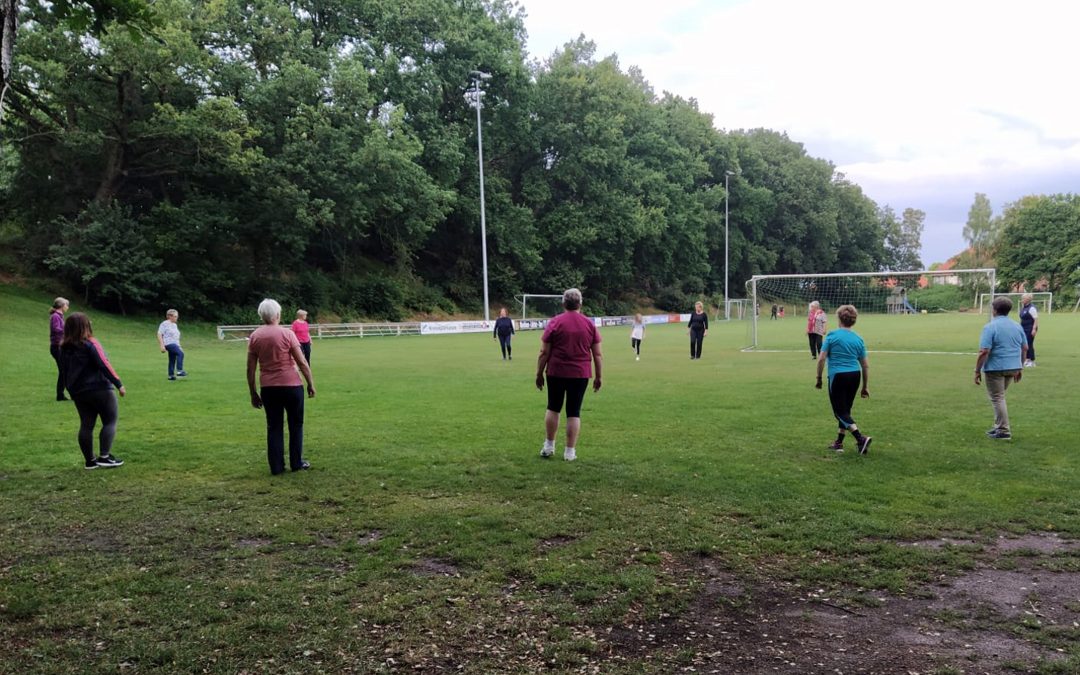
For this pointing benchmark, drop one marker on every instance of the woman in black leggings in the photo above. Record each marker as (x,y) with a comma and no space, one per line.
(698,329)
(90,380)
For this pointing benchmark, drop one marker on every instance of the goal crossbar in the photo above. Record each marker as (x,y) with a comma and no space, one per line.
(524,298)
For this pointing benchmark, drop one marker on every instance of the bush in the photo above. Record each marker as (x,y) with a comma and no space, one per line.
(671,299)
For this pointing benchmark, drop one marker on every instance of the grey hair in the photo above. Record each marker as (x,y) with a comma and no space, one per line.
(269,310)
(60,302)
(815,304)
(571,298)
(1027,296)
(172,312)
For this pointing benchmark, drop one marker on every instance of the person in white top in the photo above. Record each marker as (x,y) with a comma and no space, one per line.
(637,334)
(168,337)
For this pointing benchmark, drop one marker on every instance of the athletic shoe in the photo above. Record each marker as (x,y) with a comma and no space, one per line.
(1027,364)
(1032,364)
(92,464)
(546,452)
(839,447)
(1001,435)
(991,431)
(182,373)
(569,454)
(304,466)
(864,445)
(637,358)
(172,377)
(109,462)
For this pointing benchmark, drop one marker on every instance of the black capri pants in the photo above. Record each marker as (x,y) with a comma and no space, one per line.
(570,388)
(842,390)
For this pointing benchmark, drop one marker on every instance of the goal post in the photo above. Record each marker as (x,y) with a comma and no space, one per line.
(888,300)
(1043,300)
(542,305)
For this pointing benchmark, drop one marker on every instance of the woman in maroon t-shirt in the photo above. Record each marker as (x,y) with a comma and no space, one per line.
(569,348)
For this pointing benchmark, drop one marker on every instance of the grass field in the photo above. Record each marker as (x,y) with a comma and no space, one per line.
(431,537)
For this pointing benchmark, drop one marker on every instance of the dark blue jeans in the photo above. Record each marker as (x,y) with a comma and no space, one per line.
(278,402)
(504,345)
(176,358)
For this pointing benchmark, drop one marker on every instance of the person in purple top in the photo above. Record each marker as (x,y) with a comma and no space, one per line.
(569,349)
(56,335)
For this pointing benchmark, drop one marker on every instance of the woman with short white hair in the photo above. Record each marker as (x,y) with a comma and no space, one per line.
(816,321)
(275,351)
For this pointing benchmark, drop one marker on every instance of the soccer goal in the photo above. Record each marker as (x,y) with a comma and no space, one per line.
(539,306)
(932,311)
(1043,301)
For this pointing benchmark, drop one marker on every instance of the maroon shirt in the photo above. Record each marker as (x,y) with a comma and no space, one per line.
(571,336)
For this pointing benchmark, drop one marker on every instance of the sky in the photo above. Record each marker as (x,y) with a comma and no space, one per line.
(922,103)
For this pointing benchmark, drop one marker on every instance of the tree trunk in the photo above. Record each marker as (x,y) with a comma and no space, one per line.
(118,150)
(8,13)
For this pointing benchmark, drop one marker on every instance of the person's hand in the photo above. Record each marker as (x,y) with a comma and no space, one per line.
(310,391)
(540,381)
(256,401)
(1017,375)
(978,377)
(596,384)
(704,333)
(817,385)
(122,391)
(865,393)
(162,350)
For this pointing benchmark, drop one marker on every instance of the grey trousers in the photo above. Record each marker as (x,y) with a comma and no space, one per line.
(997,382)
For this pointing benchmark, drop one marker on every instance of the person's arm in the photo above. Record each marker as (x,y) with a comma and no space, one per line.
(597,359)
(252,364)
(160,340)
(865,377)
(97,353)
(541,364)
(1034,327)
(1023,359)
(705,320)
(495,330)
(979,363)
(305,369)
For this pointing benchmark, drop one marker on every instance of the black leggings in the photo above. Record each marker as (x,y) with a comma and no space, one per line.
(570,388)
(636,344)
(91,405)
(1031,346)
(305,347)
(696,338)
(842,390)
(55,351)
(504,345)
(815,344)
(277,401)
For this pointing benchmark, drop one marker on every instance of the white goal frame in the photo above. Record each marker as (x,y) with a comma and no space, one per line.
(752,286)
(523,300)
(985,299)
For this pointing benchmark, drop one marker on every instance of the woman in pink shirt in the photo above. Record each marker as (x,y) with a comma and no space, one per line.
(303,333)
(569,347)
(275,351)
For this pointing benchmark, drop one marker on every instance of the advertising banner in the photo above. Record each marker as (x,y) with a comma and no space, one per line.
(449,327)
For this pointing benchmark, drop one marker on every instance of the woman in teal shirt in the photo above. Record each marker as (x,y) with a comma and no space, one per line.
(845,352)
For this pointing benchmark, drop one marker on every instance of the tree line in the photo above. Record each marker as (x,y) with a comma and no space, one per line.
(323,152)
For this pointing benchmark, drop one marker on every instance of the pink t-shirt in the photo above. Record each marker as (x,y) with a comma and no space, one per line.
(303,334)
(571,336)
(273,346)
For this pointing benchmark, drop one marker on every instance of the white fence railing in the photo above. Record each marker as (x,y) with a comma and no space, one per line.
(332,330)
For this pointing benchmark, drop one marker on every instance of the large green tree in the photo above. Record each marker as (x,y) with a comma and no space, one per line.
(1039,242)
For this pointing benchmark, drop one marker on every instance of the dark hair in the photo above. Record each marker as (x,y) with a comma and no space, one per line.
(1002,306)
(847,314)
(77,330)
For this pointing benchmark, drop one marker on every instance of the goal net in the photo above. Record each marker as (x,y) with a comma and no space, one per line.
(933,311)
(1043,301)
(539,306)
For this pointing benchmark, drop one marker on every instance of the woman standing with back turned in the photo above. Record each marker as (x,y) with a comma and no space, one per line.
(90,380)
(846,353)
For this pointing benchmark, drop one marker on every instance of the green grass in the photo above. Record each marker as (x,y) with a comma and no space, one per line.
(430,531)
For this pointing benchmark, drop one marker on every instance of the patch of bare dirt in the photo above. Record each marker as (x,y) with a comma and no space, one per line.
(253,542)
(369,538)
(558,541)
(431,567)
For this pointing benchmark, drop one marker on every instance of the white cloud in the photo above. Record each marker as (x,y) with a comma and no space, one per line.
(907,98)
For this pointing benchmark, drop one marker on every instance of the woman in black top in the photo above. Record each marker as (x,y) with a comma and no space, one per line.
(90,380)
(504,328)
(699,328)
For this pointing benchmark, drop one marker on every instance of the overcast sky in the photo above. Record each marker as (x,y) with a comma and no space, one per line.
(923,103)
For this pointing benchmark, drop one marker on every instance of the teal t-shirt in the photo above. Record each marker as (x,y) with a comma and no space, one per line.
(1005,339)
(843,350)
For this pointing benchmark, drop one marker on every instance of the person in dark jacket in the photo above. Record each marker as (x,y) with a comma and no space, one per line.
(56,334)
(504,328)
(90,379)
(698,329)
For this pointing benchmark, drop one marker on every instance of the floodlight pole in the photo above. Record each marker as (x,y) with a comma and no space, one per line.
(727,201)
(475,97)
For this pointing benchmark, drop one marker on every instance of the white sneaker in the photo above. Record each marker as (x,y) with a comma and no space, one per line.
(569,454)
(547,451)
(637,358)
(1027,364)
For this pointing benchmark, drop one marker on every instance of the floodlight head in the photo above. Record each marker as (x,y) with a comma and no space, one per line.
(729,173)
(480,75)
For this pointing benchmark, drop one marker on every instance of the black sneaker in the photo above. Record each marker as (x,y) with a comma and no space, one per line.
(839,447)
(172,377)
(109,462)
(304,466)
(92,464)
(864,445)
(1000,435)
(182,373)
(991,432)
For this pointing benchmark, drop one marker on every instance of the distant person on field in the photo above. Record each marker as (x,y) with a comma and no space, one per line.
(698,327)
(275,352)
(637,334)
(569,349)
(781,311)
(1002,351)
(168,337)
(504,329)
(1029,321)
(303,333)
(773,312)
(90,379)
(845,353)
(56,336)
(816,322)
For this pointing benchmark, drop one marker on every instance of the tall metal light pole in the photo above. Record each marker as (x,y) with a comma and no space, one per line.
(475,98)
(727,200)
